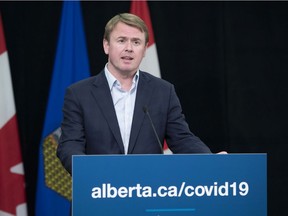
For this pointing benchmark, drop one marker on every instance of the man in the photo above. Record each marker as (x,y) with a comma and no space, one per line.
(115,111)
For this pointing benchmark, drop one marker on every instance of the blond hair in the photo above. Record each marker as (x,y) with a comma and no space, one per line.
(128,19)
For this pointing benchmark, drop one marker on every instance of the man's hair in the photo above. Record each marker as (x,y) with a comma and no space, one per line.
(128,19)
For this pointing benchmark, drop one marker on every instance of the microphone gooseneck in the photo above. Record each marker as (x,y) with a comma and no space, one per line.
(145,110)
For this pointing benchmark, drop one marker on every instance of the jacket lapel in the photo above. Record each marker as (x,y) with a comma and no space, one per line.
(102,95)
(144,91)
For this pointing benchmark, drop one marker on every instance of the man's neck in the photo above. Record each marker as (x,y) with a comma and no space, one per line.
(125,79)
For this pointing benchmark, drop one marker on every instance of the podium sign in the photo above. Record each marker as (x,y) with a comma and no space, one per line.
(170,185)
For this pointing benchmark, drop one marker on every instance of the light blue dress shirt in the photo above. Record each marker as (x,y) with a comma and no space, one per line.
(124,103)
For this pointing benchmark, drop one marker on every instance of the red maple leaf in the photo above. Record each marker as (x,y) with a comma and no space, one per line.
(11,184)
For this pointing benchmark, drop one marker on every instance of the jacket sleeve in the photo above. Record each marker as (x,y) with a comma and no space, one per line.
(178,135)
(72,140)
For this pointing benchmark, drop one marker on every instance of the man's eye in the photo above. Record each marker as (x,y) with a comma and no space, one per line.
(137,43)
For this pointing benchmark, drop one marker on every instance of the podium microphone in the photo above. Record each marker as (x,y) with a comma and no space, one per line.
(145,109)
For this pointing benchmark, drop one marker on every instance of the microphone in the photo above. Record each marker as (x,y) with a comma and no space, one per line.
(145,109)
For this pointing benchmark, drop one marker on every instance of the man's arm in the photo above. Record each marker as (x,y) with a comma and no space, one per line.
(72,140)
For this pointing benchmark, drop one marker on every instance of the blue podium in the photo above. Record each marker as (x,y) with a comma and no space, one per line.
(170,185)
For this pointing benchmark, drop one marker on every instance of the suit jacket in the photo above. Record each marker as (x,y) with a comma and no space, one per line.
(90,124)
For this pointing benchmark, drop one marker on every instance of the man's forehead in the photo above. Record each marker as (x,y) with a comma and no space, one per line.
(120,26)
(126,31)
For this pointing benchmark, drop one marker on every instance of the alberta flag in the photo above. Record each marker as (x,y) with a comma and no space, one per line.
(150,62)
(53,196)
(12,181)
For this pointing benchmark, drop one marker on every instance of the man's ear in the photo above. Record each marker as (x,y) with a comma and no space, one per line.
(106,46)
(146,47)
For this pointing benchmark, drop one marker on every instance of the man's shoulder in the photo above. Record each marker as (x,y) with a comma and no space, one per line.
(153,79)
(84,83)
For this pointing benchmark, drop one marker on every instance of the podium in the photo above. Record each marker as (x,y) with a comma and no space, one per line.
(170,185)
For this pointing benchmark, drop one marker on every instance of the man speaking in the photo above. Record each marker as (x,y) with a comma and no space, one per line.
(124,110)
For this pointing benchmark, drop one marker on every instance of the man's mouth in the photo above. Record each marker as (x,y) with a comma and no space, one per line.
(127,58)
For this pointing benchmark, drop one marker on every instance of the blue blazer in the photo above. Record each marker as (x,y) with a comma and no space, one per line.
(90,124)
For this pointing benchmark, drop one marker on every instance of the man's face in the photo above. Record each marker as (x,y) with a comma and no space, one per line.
(125,49)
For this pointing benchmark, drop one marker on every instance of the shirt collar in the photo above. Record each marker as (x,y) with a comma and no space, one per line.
(112,80)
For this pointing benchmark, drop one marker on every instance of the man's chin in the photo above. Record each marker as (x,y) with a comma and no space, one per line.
(128,70)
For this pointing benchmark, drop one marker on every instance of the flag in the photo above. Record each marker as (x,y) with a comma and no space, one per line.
(53,197)
(12,181)
(150,62)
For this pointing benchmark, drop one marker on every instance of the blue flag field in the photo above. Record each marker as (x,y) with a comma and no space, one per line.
(71,64)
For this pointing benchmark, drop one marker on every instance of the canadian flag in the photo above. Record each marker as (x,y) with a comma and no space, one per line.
(12,186)
(150,62)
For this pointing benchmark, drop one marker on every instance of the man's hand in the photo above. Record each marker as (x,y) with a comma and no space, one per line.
(222,152)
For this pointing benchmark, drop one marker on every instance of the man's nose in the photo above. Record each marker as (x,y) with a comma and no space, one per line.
(129,47)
